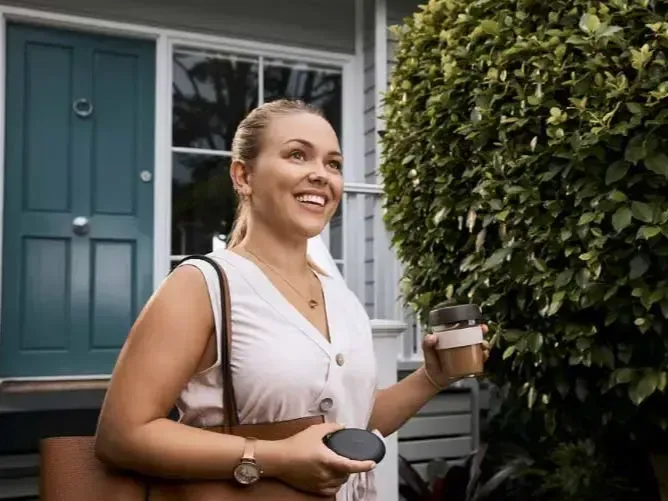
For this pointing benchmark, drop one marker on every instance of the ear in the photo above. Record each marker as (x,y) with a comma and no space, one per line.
(241,178)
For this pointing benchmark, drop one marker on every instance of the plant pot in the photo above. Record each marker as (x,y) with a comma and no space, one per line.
(660,466)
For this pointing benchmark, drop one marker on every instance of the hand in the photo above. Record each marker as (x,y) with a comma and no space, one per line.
(312,467)
(432,363)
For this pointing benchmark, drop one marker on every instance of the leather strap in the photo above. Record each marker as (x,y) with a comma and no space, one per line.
(230,412)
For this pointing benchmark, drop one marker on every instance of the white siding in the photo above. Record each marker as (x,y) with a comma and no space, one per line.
(313,24)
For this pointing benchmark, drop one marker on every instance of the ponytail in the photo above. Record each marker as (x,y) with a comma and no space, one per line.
(241,222)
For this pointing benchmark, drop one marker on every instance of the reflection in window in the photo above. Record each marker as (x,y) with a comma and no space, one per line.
(316,85)
(203,202)
(211,95)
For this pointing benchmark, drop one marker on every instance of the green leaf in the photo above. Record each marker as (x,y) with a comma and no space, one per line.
(640,390)
(623,376)
(616,172)
(642,212)
(634,108)
(639,266)
(647,232)
(617,196)
(535,342)
(586,218)
(563,278)
(635,150)
(621,218)
(531,397)
(662,382)
(496,258)
(509,352)
(589,23)
(658,163)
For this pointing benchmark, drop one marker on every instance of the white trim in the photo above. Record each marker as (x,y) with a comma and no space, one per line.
(364,188)
(162,192)
(380,65)
(166,41)
(49,379)
(201,151)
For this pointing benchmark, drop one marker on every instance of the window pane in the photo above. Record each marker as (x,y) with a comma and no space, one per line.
(212,93)
(316,85)
(203,202)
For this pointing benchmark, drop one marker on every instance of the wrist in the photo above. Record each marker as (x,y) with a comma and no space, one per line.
(432,385)
(271,457)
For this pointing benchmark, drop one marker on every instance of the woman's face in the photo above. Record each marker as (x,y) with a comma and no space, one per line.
(296,182)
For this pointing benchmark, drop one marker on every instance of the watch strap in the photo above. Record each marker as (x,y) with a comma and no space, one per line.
(249,450)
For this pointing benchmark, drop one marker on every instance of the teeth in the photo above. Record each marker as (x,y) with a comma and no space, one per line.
(313,199)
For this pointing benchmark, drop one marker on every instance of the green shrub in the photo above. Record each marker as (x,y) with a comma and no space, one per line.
(526,169)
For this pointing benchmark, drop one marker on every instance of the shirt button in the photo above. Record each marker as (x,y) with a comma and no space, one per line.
(339,359)
(326,404)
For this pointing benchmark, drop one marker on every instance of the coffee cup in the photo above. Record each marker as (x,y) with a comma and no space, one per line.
(459,332)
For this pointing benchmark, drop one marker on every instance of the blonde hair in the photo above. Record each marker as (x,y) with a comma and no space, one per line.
(246,146)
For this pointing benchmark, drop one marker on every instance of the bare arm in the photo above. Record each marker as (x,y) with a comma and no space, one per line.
(400,402)
(166,346)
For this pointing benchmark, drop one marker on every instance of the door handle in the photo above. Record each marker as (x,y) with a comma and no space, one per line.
(83,107)
(80,226)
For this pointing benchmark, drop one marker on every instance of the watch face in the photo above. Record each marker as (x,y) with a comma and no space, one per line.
(247,473)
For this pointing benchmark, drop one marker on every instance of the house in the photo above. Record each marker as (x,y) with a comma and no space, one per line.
(116,119)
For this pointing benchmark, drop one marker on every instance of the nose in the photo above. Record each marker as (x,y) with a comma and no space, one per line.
(319,175)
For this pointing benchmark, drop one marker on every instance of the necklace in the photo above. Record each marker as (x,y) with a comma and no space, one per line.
(311,302)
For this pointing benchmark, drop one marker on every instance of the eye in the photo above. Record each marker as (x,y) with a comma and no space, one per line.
(335,164)
(297,155)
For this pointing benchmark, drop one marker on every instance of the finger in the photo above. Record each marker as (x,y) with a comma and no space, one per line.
(429,351)
(485,345)
(485,329)
(342,465)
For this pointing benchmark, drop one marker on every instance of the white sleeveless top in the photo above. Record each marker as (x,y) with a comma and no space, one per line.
(283,368)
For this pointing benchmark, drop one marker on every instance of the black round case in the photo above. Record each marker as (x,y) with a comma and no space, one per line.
(356,444)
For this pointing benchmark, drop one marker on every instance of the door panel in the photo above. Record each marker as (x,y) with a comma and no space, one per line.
(80,113)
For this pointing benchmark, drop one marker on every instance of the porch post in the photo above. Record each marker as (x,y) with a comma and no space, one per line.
(386,338)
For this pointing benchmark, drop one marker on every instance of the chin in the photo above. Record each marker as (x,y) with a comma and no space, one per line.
(310,230)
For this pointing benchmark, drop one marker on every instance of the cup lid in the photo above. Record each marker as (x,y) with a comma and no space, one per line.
(443,314)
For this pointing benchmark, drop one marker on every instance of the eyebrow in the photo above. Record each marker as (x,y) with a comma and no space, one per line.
(309,145)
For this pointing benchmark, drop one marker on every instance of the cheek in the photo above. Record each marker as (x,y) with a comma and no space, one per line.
(337,187)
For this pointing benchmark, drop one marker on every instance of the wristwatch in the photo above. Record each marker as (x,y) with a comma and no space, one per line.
(248,471)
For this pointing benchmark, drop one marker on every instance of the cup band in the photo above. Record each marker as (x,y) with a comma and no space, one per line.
(458,338)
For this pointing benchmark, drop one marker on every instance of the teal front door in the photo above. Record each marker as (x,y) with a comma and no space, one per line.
(78,199)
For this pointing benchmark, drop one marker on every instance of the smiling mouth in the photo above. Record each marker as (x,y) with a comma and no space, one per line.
(316,200)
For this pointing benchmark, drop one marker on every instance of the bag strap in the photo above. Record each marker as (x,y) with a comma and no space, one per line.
(230,412)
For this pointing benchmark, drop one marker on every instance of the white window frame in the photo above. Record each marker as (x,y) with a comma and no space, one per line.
(166,40)
(261,60)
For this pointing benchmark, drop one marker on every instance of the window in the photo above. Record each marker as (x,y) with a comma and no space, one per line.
(211,93)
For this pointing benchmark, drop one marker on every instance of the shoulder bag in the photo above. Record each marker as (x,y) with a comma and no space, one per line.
(70,470)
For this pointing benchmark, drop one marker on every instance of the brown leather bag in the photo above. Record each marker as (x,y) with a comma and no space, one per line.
(70,470)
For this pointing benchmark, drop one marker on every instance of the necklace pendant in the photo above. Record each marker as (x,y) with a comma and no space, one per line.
(313,303)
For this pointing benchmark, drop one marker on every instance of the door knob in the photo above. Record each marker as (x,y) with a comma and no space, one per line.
(80,225)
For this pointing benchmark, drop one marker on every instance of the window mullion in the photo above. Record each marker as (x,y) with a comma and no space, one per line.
(260,80)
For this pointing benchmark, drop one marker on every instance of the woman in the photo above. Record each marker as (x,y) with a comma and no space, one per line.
(301,341)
